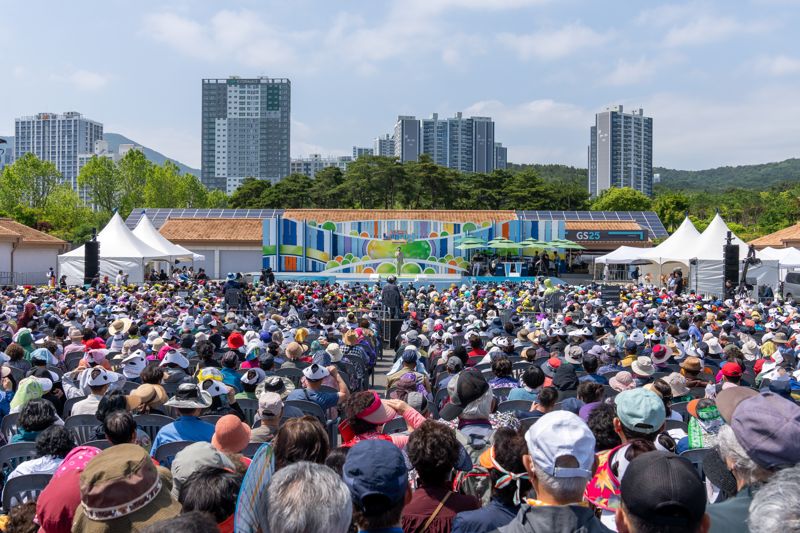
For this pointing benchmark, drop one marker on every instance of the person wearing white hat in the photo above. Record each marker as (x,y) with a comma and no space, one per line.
(98,379)
(175,365)
(250,380)
(559,465)
(314,374)
(133,364)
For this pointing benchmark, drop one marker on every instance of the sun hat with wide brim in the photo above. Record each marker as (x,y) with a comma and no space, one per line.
(190,396)
(152,396)
(122,490)
(120,325)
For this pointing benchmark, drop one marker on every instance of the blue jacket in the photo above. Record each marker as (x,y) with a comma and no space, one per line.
(492,516)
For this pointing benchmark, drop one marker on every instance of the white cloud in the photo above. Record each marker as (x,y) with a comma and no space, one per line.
(545,113)
(80,79)
(553,44)
(780,65)
(175,143)
(703,29)
(630,72)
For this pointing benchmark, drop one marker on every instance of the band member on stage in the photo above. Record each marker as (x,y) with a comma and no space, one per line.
(398,258)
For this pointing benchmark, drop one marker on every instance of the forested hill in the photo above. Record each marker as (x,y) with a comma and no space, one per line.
(759,177)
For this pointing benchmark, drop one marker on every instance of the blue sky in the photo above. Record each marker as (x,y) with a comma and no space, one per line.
(720,78)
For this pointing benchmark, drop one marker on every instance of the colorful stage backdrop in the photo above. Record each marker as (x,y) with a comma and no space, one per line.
(342,241)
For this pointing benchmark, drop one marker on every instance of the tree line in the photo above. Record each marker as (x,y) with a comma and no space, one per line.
(32,192)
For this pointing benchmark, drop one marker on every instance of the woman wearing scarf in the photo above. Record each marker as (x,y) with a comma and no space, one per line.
(24,338)
(704,425)
(26,316)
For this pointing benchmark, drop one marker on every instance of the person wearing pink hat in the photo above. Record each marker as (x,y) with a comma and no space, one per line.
(365,413)
(622,381)
(231,436)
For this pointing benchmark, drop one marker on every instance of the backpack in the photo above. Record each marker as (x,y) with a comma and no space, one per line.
(477,482)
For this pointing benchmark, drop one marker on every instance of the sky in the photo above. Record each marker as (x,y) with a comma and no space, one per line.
(721,78)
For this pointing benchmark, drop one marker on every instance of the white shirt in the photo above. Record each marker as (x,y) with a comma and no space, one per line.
(41,465)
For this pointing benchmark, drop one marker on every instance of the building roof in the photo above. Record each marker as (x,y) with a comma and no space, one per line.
(348,215)
(602,225)
(216,230)
(780,239)
(13,230)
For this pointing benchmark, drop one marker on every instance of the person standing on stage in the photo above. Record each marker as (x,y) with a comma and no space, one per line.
(398,258)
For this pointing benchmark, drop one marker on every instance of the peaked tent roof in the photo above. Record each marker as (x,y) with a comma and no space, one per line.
(676,245)
(787,257)
(709,245)
(118,242)
(149,235)
(622,255)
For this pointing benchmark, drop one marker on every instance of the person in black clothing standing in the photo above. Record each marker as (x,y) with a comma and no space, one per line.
(391,298)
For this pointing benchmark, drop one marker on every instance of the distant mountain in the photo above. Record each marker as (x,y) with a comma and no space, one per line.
(756,177)
(115,139)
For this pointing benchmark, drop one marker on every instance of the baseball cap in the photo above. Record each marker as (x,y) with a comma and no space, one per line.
(463,389)
(315,372)
(640,410)
(454,363)
(664,489)
(768,428)
(557,435)
(270,404)
(376,475)
(732,370)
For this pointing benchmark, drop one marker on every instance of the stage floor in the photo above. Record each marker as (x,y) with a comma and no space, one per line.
(438,280)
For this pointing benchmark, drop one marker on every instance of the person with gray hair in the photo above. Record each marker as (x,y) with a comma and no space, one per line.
(307,496)
(762,437)
(776,507)
(559,463)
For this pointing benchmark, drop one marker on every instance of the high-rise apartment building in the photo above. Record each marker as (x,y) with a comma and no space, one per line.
(434,139)
(245,130)
(59,139)
(459,143)
(500,156)
(620,151)
(309,166)
(384,146)
(6,152)
(406,139)
(482,144)
(358,151)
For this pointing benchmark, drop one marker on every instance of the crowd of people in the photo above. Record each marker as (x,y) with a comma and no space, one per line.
(160,407)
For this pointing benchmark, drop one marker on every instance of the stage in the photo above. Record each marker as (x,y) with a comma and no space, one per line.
(438,280)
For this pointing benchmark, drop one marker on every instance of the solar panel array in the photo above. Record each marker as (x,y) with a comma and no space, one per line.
(646,219)
(158,215)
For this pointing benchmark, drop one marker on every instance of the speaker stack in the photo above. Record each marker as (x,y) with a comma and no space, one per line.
(91,267)
(730,257)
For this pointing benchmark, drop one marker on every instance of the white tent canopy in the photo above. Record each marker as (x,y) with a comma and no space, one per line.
(120,249)
(786,257)
(149,235)
(675,246)
(620,256)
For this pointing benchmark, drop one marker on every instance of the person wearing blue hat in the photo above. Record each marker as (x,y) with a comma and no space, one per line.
(377,476)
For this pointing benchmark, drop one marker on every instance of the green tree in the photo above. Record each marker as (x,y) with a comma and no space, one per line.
(326,189)
(525,190)
(162,187)
(291,192)
(67,215)
(671,208)
(622,199)
(250,194)
(191,193)
(217,199)
(483,191)
(132,172)
(29,181)
(101,179)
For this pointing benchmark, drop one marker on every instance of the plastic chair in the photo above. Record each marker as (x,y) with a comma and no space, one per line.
(565,394)
(68,406)
(249,408)
(102,444)
(676,424)
(83,426)
(11,455)
(680,407)
(313,409)
(501,393)
(514,405)
(396,425)
(438,402)
(295,374)
(23,488)
(9,426)
(251,449)
(72,360)
(526,423)
(697,456)
(609,391)
(211,419)
(167,451)
(519,368)
(152,423)
(16,373)
(130,386)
